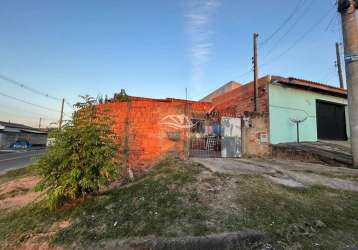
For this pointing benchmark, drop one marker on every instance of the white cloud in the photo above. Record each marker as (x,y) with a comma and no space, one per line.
(199,21)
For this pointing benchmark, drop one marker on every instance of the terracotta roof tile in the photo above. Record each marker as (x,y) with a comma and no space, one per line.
(310,85)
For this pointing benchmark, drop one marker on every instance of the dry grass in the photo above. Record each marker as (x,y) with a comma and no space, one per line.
(18,193)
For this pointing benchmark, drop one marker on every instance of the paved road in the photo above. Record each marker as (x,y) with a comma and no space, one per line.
(18,159)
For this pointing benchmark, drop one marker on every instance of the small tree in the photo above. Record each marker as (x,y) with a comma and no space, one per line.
(121,97)
(83,158)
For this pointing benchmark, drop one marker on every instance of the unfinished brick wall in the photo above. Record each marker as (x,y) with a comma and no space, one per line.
(255,137)
(241,99)
(145,139)
(142,133)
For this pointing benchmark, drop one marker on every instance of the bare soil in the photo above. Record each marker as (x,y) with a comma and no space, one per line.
(41,241)
(18,192)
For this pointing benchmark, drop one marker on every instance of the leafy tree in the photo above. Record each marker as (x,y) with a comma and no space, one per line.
(83,158)
(121,97)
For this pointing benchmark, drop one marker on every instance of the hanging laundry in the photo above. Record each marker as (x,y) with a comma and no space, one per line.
(217,129)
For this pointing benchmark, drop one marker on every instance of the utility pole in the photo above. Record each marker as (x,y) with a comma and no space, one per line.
(187,129)
(347,8)
(256,69)
(339,66)
(61,115)
(40,122)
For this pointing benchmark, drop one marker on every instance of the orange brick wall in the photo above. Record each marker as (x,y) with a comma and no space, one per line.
(139,123)
(241,99)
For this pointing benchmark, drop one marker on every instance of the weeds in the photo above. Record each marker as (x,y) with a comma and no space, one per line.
(307,217)
(164,203)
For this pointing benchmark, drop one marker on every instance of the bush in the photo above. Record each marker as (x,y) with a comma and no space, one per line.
(83,158)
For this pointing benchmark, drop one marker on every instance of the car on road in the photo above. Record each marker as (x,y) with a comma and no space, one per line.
(21,144)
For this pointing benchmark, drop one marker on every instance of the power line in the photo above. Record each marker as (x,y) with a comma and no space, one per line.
(331,22)
(300,38)
(292,14)
(299,18)
(340,34)
(328,73)
(68,104)
(26,102)
(33,90)
(26,115)
(28,112)
(244,74)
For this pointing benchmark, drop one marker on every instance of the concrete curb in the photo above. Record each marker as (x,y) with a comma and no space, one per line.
(225,241)
(7,151)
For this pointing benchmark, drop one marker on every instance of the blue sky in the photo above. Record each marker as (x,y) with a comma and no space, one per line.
(154,48)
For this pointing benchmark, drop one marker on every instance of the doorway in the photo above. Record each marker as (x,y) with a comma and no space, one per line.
(215,137)
(331,121)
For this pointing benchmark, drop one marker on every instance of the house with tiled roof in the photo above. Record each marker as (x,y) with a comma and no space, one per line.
(11,132)
(294,109)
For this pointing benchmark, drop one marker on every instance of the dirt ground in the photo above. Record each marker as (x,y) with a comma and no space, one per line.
(18,192)
(287,172)
(40,241)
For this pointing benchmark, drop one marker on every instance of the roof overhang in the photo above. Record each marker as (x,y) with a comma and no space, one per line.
(18,130)
(312,86)
(33,131)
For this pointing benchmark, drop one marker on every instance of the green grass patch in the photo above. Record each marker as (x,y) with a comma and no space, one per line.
(305,218)
(165,203)
(153,205)
(17,226)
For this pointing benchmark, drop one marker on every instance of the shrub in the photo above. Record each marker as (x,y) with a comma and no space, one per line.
(83,158)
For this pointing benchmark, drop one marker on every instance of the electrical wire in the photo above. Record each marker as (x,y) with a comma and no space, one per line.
(244,74)
(28,112)
(33,90)
(299,5)
(340,34)
(328,73)
(69,104)
(27,102)
(292,14)
(331,22)
(303,36)
(26,115)
(291,28)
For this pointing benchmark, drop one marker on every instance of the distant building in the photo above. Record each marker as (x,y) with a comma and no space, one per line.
(12,132)
(220,91)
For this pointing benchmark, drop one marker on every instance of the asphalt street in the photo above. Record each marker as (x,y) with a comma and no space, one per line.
(18,159)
